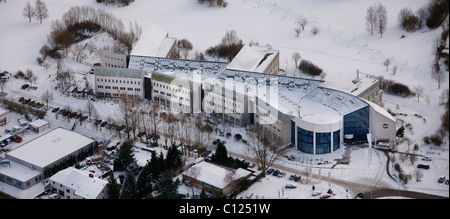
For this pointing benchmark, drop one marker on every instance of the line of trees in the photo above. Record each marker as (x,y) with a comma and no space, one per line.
(229,47)
(39,11)
(376,19)
(114,2)
(214,3)
(80,19)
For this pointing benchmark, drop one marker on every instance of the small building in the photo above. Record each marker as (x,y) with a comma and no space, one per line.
(4,116)
(216,179)
(72,183)
(39,125)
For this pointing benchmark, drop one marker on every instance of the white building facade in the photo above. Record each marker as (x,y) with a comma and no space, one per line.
(114,82)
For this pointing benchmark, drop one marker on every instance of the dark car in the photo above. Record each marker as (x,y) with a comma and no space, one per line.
(97,122)
(290,186)
(56,109)
(82,118)
(104,124)
(25,86)
(270,171)
(21,99)
(423,166)
(276,173)
(441,180)
(359,195)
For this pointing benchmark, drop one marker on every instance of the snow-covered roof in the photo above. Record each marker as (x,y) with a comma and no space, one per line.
(3,111)
(50,147)
(253,58)
(19,171)
(38,123)
(215,175)
(154,41)
(119,72)
(354,83)
(84,186)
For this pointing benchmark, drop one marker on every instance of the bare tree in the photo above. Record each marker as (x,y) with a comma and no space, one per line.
(41,10)
(90,109)
(371,19)
(381,14)
(298,30)
(386,63)
(263,149)
(419,91)
(302,21)
(436,73)
(28,11)
(296,57)
(185,46)
(47,96)
(127,105)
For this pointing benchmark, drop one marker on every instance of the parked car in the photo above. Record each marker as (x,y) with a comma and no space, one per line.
(441,180)
(61,111)
(25,86)
(276,173)
(297,178)
(97,122)
(446,182)
(315,193)
(426,159)
(423,166)
(56,109)
(270,171)
(40,105)
(325,196)
(21,99)
(290,186)
(104,124)
(359,195)
(281,174)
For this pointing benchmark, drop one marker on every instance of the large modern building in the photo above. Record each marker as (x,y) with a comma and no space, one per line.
(315,116)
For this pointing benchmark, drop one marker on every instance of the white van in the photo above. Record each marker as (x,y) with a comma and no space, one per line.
(384,146)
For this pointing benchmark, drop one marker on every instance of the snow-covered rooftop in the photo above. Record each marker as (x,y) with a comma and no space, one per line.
(119,72)
(50,147)
(154,41)
(215,175)
(253,58)
(78,180)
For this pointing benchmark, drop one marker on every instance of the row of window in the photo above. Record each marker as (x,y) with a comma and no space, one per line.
(305,141)
(118,81)
(117,88)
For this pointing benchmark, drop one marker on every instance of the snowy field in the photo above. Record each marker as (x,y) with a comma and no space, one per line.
(342,46)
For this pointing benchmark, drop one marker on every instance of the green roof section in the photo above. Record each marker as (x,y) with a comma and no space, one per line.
(168,79)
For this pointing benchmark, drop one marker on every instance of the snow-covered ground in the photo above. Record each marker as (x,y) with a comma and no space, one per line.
(342,46)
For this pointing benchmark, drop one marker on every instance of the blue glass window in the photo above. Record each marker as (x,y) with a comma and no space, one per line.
(305,141)
(336,140)
(357,123)
(323,143)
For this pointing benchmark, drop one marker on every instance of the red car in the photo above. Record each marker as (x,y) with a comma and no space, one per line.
(324,196)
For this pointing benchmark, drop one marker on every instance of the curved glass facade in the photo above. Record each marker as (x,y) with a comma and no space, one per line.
(324,141)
